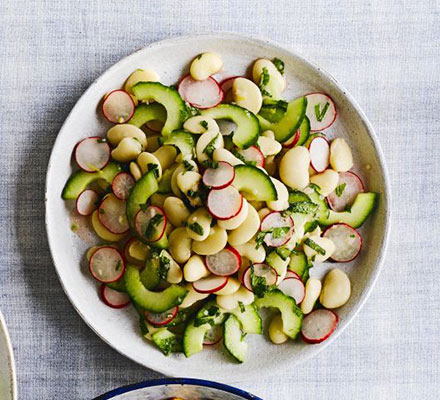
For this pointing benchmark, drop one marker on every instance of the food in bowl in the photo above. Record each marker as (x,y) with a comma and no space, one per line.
(214,200)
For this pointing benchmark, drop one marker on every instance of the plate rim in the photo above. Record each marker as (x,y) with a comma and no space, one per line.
(10,355)
(369,130)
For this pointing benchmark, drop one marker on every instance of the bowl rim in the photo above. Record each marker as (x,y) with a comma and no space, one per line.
(369,130)
(177,381)
(10,355)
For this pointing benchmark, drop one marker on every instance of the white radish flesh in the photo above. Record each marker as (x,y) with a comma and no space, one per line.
(224,203)
(201,94)
(112,214)
(321,111)
(318,325)
(107,264)
(210,284)
(92,154)
(261,270)
(279,229)
(224,263)
(294,288)
(118,107)
(347,242)
(86,202)
(319,154)
(122,185)
(254,155)
(142,222)
(113,298)
(219,177)
(349,186)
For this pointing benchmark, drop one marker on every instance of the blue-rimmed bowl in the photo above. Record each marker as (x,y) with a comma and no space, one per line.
(185,388)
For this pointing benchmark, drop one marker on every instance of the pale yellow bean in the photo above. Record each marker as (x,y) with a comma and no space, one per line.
(313,290)
(200,124)
(251,252)
(283,197)
(231,301)
(323,242)
(180,245)
(181,168)
(294,168)
(176,211)
(121,131)
(231,287)
(205,65)
(247,94)
(258,205)
(135,171)
(269,146)
(192,296)
(246,230)
(276,334)
(166,156)
(140,75)
(269,134)
(200,219)
(235,222)
(221,154)
(188,180)
(128,149)
(145,159)
(214,139)
(195,269)
(341,158)
(327,181)
(174,274)
(215,242)
(138,250)
(336,289)
(276,83)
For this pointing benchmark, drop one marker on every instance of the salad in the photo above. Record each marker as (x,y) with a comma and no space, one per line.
(214,200)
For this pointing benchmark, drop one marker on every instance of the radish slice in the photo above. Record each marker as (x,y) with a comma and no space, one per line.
(118,107)
(201,94)
(226,84)
(122,184)
(92,154)
(210,284)
(226,127)
(278,228)
(224,203)
(220,177)
(224,263)
(292,141)
(294,288)
(107,264)
(262,270)
(253,155)
(291,274)
(349,186)
(162,318)
(113,298)
(318,326)
(319,154)
(86,202)
(214,335)
(347,242)
(112,215)
(321,111)
(151,223)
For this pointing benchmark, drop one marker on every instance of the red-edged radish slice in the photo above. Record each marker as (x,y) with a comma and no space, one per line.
(214,335)
(107,264)
(210,284)
(162,318)
(92,154)
(279,229)
(347,242)
(220,177)
(201,94)
(253,154)
(224,263)
(226,127)
(155,125)
(319,150)
(291,274)
(292,141)
(158,220)
(321,111)
(293,287)
(118,106)
(122,184)
(349,186)
(262,270)
(224,203)
(318,325)
(226,84)
(113,298)
(86,202)
(112,215)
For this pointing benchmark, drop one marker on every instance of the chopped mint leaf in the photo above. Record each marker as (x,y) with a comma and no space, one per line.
(101,211)
(264,80)
(259,284)
(280,232)
(242,307)
(118,265)
(204,124)
(315,246)
(199,57)
(340,189)
(192,194)
(143,207)
(321,113)
(279,65)
(153,167)
(210,147)
(283,252)
(352,236)
(209,164)
(196,227)
(303,207)
(152,224)
(260,238)
(74,227)
(164,266)
(188,166)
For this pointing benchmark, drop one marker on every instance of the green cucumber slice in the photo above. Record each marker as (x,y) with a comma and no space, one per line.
(249,319)
(286,127)
(291,314)
(184,141)
(363,205)
(167,341)
(152,301)
(168,97)
(165,181)
(150,275)
(210,314)
(193,338)
(299,263)
(277,262)
(247,131)
(148,112)
(80,179)
(255,182)
(119,285)
(233,338)
(304,132)
(323,211)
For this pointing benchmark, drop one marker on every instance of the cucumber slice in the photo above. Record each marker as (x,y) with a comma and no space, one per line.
(296,196)
(273,110)
(168,97)
(184,141)
(323,211)
(80,179)
(150,275)
(167,341)
(286,127)
(304,132)
(299,264)
(119,285)
(249,318)
(210,314)
(148,112)
(140,193)
(277,262)
(233,338)
(193,338)
(362,207)
(152,301)
(254,182)
(162,243)
(165,181)
(248,129)
(291,314)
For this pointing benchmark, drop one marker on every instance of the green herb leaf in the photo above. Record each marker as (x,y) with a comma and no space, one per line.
(118,265)
(143,207)
(264,80)
(321,113)
(204,124)
(259,284)
(209,164)
(210,147)
(283,252)
(152,224)
(101,211)
(280,232)
(303,207)
(74,227)
(164,266)
(279,65)
(260,239)
(196,227)
(242,307)
(315,246)
(188,166)
(192,194)
(153,167)
(340,189)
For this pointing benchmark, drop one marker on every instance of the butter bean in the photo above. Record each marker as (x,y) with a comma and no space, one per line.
(192,296)
(246,230)
(140,75)
(197,124)
(250,251)
(199,219)
(119,132)
(232,301)
(176,211)
(221,154)
(235,222)
(145,159)
(215,242)
(341,158)
(294,168)
(174,274)
(247,94)
(336,289)
(205,65)
(215,139)
(269,146)
(103,232)
(128,149)
(166,156)
(195,269)
(283,197)
(276,83)
(135,171)
(231,287)
(324,243)
(313,290)
(180,245)
(157,199)
(276,334)
(327,181)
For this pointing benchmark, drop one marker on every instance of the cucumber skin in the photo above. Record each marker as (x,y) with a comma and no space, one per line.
(167,342)
(250,319)
(151,301)
(80,179)
(183,140)
(304,129)
(148,112)
(235,345)
(248,176)
(193,338)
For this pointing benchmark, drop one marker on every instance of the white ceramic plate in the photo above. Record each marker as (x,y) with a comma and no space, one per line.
(171,58)
(8,384)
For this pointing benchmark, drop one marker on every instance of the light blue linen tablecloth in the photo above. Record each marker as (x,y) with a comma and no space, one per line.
(386,53)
